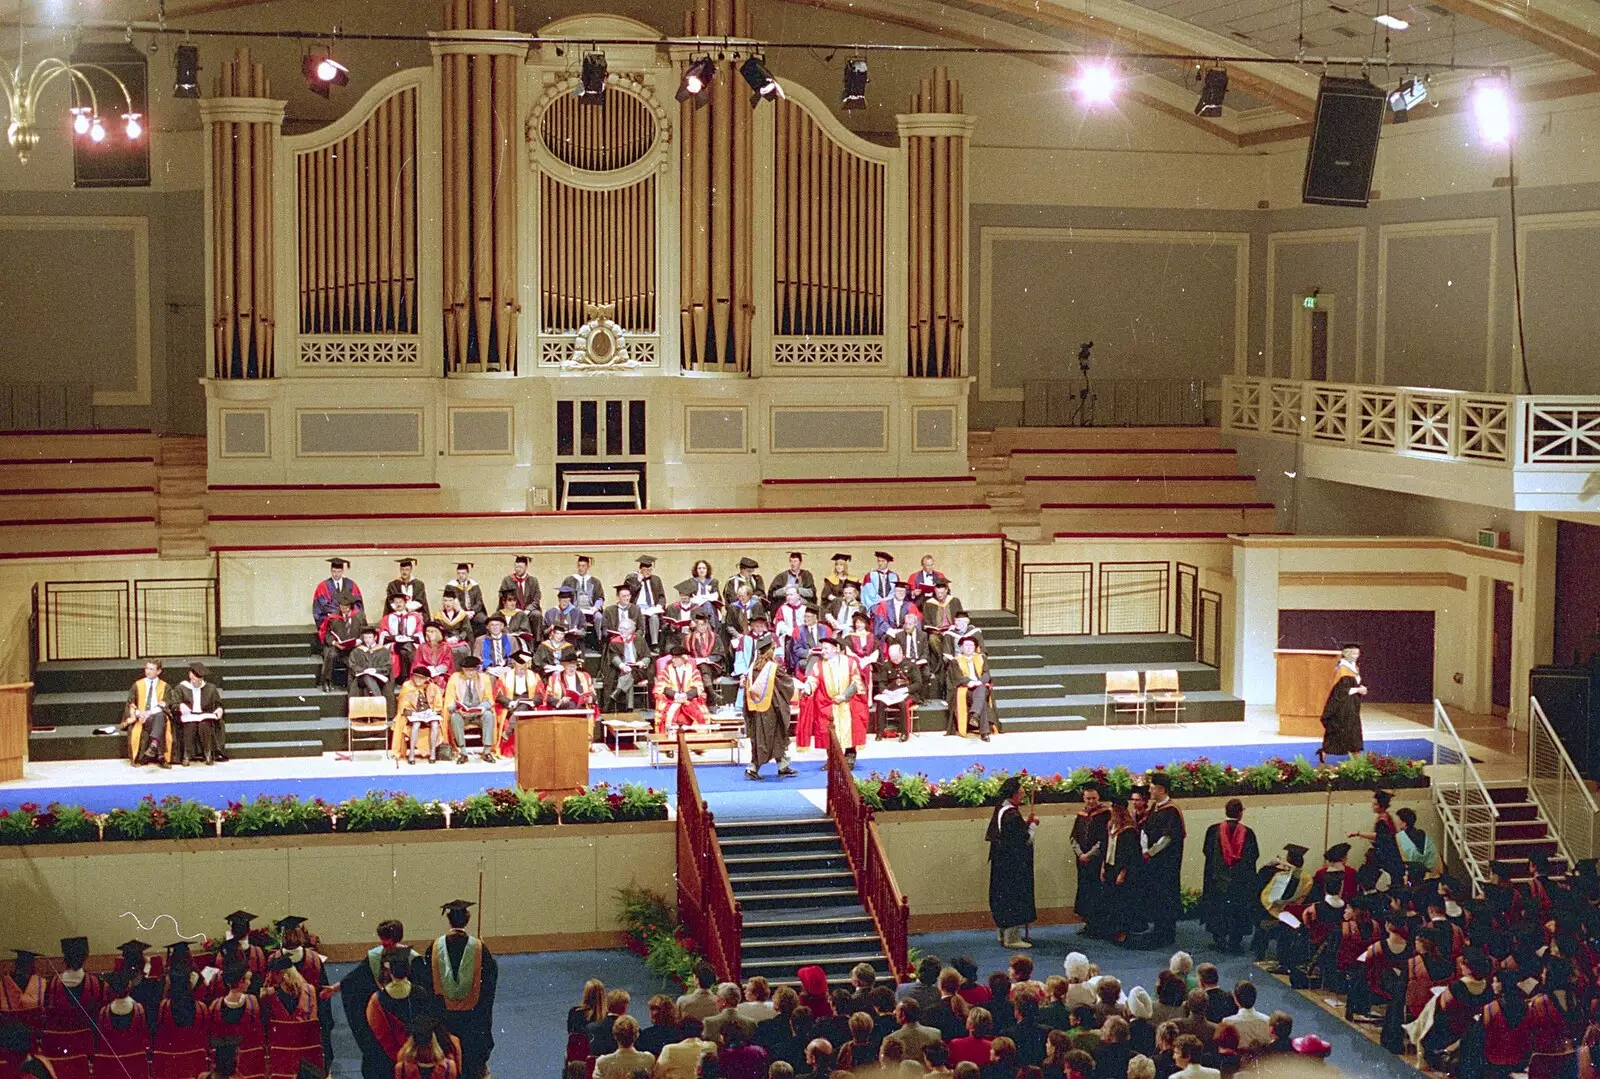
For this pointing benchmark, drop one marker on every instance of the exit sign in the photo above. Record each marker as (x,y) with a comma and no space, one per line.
(1309,303)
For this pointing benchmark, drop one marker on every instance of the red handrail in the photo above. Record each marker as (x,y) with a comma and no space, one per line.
(706,905)
(875,883)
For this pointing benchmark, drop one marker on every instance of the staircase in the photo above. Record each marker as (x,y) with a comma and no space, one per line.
(793,882)
(1522,830)
(180,498)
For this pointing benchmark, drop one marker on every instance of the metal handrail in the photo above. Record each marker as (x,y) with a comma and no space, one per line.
(1474,837)
(1567,777)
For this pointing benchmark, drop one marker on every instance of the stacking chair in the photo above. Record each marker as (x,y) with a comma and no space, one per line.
(1161,689)
(1123,694)
(368,719)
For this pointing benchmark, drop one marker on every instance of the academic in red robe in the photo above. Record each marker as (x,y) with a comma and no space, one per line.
(124,1043)
(241,1021)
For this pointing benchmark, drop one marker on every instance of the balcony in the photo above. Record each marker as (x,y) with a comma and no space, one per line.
(1525,453)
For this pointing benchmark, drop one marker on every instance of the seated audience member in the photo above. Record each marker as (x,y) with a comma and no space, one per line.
(1000,993)
(776,1030)
(729,997)
(1078,970)
(1003,1063)
(331,590)
(1281,1025)
(1186,1053)
(835,1026)
(892,1062)
(1114,1051)
(701,1001)
(739,1058)
(419,719)
(338,634)
(974,1047)
(819,1059)
(1027,1033)
(572,687)
(1020,967)
(625,1060)
(370,667)
(402,631)
(913,1036)
(814,990)
(1417,849)
(469,699)
(1080,1064)
(1141,1021)
(602,1037)
(881,1003)
(434,656)
(1170,992)
(1182,964)
(524,587)
(1506,1042)
(1108,998)
(1194,1021)
(970,991)
(936,1060)
(663,1029)
(681,1059)
(861,1050)
(1054,1012)
(147,718)
(1141,1066)
(518,627)
(1085,1030)
(1219,1002)
(757,1004)
(1166,1035)
(200,716)
(679,692)
(1252,1027)
(494,648)
(924,988)
(949,1015)
(470,595)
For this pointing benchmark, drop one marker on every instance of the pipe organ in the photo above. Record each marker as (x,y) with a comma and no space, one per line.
(477,230)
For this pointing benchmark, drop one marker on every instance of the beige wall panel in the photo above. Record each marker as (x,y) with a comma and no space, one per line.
(109,885)
(239,876)
(46,888)
(364,872)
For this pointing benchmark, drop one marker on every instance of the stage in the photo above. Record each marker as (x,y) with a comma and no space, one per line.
(99,785)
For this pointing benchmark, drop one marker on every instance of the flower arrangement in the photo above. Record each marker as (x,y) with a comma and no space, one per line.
(602,803)
(655,933)
(54,823)
(170,818)
(1199,777)
(286,815)
(389,811)
(502,807)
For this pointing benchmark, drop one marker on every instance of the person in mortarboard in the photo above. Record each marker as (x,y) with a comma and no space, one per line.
(236,1015)
(521,626)
(745,605)
(523,586)
(971,685)
(624,663)
(179,1048)
(1111,916)
(371,667)
(705,648)
(833,584)
(520,692)
(1010,838)
(746,577)
(567,614)
(796,577)
(678,618)
(402,632)
(17,1053)
(647,591)
(1090,843)
(572,686)
(939,612)
(420,719)
(765,691)
(338,634)
(144,976)
(297,945)
(237,948)
(843,607)
(430,1051)
(1163,835)
(401,995)
(122,1032)
(878,585)
(22,990)
(1385,965)
(1341,713)
(455,623)
(624,609)
(72,999)
(889,614)
(470,595)
(294,1027)
(679,693)
(1284,887)
(1383,856)
(1313,947)
(590,596)
(200,715)
(547,656)
(357,987)
(1229,906)
(464,977)
(410,588)
(469,698)
(1335,865)
(336,586)
(494,648)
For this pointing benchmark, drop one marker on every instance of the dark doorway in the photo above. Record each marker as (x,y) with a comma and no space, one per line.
(1319,346)
(1577,629)
(1396,647)
(1500,664)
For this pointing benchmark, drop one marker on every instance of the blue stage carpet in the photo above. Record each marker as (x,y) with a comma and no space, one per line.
(723,785)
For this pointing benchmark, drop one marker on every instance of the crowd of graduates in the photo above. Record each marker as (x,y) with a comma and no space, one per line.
(253,1004)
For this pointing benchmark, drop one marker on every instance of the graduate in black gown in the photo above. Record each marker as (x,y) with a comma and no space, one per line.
(1341,714)
(464,976)
(1161,877)
(1089,837)
(1229,899)
(1010,839)
(1114,914)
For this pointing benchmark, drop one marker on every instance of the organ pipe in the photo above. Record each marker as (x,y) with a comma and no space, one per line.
(244,124)
(597,247)
(935,136)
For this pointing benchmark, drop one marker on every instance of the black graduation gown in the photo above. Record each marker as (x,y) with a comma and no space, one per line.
(769,729)
(1116,905)
(1089,834)
(1162,876)
(1230,900)
(1341,717)
(475,1025)
(1010,868)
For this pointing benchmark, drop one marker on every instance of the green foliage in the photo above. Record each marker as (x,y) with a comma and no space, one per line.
(391,811)
(1191,902)
(135,823)
(640,802)
(72,824)
(895,790)
(668,957)
(502,807)
(186,818)
(592,806)
(655,933)
(16,827)
(974,787)
(285,815)
(1358,769)
(1261,777)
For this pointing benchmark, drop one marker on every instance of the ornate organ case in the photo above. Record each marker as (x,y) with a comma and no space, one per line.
(476,278)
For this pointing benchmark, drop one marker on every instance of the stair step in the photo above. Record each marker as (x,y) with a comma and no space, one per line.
(1520,830)
(750,884)
(294,748)
(266,649)
(818,921)
(770,860)
(802,897)
(756,830)
(775,948)
(837,967)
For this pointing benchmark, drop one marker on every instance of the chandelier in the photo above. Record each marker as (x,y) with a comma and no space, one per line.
(22,93)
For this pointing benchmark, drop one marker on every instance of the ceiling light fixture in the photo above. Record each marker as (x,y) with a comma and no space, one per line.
(855,84)
(1491,108)
(1391,21)
(186,71)
(322,72)
(696,82)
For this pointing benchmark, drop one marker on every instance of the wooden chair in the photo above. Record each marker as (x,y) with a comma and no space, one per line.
(1161,688)
(1123,693)
(368,718)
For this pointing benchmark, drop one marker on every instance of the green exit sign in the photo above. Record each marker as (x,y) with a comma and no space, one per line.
(1310,303)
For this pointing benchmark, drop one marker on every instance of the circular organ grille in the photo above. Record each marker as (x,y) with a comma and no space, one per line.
(598,138)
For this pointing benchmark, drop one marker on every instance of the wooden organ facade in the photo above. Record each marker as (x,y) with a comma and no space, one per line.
(417,289)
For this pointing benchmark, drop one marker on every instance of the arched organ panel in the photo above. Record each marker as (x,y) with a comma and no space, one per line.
(597,247)
(828,231)
(357,225)
(612,135)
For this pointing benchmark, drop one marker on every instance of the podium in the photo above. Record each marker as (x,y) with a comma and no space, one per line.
(553,749)
(14,727)
(1305,676)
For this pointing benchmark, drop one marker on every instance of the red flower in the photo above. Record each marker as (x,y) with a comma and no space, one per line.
(888,790)
(615,800)
(44,821)
(29,807)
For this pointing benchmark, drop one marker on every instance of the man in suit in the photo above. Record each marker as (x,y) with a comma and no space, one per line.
(338,634)
(650,594)
(729,996)
(624,610)
(523,585)
(407,585)
(149,702)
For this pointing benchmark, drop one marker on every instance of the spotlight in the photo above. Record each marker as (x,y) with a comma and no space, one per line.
(697,80)
(322,72)
(855,84)
(1096,84)
(186,66)
(1213,88)
(1405,97)
(1391,21)
(132,127)
(760,79)
(80,120)
(1491,107)
(592,79)
(97,131)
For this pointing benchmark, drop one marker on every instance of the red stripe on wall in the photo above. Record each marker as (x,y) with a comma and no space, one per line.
(1157,506)
(872,479)
(1151,535)
(1142,450)
(323,487)
(76,461)
(32,491)
(574,513)
(80,433)
(79,521)
(78,554)
(1138,479)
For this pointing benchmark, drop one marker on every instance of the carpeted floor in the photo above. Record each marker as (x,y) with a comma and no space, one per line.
(536,991)
(718,781)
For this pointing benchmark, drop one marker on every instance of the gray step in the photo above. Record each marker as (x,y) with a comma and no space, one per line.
(770,861)
(101,675)
(1079,678)
(759,883)
(788,828)
(759,845)
(837,967)
(787,948)
(797,898)
(288,748)
(267,634)
(267,649)
(816,921)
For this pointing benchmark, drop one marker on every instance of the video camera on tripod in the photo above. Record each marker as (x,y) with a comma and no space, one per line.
(1083,411)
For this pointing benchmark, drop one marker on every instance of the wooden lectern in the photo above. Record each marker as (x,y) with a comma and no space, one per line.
(14,726)
(553,749)
(1305,676)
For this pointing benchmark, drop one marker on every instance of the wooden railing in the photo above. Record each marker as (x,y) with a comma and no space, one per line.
(705,894)
(890,911)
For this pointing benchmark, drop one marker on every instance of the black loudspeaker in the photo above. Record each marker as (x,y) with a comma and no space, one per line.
(1570,697)
(1344,143)
(117,161)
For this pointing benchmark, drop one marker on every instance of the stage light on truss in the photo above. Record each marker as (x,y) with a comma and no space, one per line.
(760,79)
(855,84)
(592,79)
(1393,22)
(1095,83)
(1407,96)
(186,71)
(322,72)
(1491,108)
(1213,88)
(696,81)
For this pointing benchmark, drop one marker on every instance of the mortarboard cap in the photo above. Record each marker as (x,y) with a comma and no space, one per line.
(1337,853)
(282,962)
(240,916)
(620,587)
(797,554)
(1156,776)
(1295,851)
(685,588)
(133,947)
(885,555)
(464,565)
(564,590)
(456,904)
(339,563)
(521,558)
(308,1070)
(422,1025)
(522,655)
(569,654)
(647,560)
(24,955)
(841,558)
(370,628)
(1137,788)
(749,563)
(290,921)
(898,583)
(469,661)
(1345,646)
(405,561)
(178,950)
(678,649)
(75,949)
(584,558)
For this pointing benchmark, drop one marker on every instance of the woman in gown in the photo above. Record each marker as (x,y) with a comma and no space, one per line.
(181,1040)
(1010,838)
(1341,713)
(1117,875)
(432,653)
